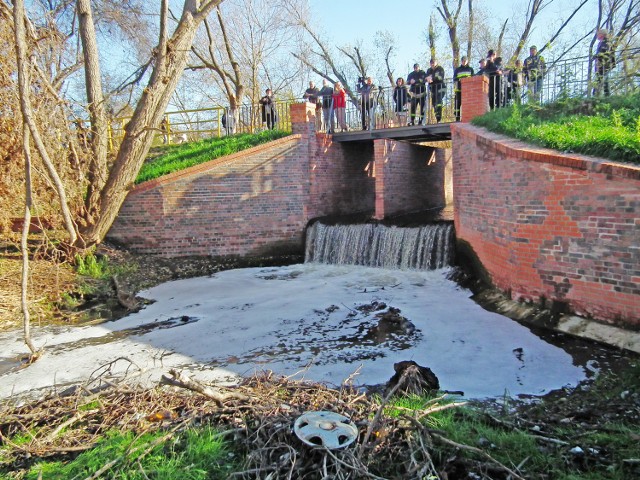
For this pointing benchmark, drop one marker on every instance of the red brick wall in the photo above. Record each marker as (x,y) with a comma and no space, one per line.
(246,203)
(475,97)
(550,226)
(409,177)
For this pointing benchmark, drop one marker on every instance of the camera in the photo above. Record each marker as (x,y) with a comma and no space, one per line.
(360,79)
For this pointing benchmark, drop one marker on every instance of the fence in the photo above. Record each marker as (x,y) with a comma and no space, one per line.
(573,77)
(182,126)
(563,78)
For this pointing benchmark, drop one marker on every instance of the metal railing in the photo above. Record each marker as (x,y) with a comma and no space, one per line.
(564,78)
(571,78)
(182,126)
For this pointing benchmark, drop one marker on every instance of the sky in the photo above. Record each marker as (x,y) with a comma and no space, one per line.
(351,19)
(304,320)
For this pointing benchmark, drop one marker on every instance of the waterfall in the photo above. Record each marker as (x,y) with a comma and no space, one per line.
(375,245)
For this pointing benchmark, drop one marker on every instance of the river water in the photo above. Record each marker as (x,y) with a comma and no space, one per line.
(311,320)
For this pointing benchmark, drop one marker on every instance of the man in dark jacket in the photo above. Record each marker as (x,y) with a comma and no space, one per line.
(327,98)
(463,71)
(605,61)
(437,87)
(368,92)
(494,73)
(534,70)
(417,92)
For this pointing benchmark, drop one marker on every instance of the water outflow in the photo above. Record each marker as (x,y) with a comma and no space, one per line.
(374,245)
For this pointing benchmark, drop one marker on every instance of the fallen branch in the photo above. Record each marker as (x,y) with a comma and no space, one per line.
(183,381)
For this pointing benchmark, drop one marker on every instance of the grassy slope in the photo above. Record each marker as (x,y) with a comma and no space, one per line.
(604,127)
(178,157)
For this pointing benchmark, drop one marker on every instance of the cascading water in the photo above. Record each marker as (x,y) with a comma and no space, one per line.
(421,248)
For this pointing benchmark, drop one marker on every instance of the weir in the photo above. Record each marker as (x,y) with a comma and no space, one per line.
(426,247)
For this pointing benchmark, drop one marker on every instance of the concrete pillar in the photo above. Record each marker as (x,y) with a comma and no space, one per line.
(475,97)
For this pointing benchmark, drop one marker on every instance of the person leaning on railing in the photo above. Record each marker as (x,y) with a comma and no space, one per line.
(417,92)
(464,70)
(437,87)
(368,92)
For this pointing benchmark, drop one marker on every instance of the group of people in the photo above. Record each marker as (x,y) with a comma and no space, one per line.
(332,101)
(507,85)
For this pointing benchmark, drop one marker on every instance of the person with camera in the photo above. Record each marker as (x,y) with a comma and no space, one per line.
(417,81)
(437,87)
(367,91)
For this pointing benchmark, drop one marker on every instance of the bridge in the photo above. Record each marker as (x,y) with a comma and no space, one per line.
(419,133)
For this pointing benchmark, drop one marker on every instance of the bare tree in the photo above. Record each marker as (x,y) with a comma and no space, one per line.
(170,59)
(450,18)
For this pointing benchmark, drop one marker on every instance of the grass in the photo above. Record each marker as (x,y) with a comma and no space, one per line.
(178,157)
(604,127)
(194,455)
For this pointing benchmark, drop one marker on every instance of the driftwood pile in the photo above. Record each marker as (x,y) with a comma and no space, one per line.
(256,417)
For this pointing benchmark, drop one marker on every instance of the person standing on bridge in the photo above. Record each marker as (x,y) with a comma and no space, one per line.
(463,71)
(417,81)
(339,107)
(268,109)
(327,100)
(437,87)
(312,95)
(368,92)
(534,70)
(400,100)
(605,61)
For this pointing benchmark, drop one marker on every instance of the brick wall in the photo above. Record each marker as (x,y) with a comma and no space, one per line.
(258,202)
(409,177)
(244,204)
(562,228)
(475,97)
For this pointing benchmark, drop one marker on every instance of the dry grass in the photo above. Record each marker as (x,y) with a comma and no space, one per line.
(47,282)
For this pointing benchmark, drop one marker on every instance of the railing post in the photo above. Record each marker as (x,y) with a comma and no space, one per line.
(475,97)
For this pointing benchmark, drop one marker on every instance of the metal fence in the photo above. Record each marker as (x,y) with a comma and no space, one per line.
(183,126)
(570,78)
(563,78)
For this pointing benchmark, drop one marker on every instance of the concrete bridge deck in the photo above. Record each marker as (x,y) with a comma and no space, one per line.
(418,133)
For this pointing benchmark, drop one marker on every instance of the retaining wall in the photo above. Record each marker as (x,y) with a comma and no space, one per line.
(548,227)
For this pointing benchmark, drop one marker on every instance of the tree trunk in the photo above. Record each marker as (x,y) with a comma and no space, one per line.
(147,115)
(98,138)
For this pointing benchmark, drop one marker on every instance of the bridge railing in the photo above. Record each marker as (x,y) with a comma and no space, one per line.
(568,78)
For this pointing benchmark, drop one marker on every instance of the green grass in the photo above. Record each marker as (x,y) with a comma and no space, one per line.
(196,454)
(179,157)
(603,127)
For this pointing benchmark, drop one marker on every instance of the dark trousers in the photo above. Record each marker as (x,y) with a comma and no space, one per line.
(457,102)
(437,96)
(414,104)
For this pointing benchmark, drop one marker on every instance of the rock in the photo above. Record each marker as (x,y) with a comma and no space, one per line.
(413,379)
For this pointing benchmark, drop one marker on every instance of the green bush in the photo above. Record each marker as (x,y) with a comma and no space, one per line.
(604,127)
